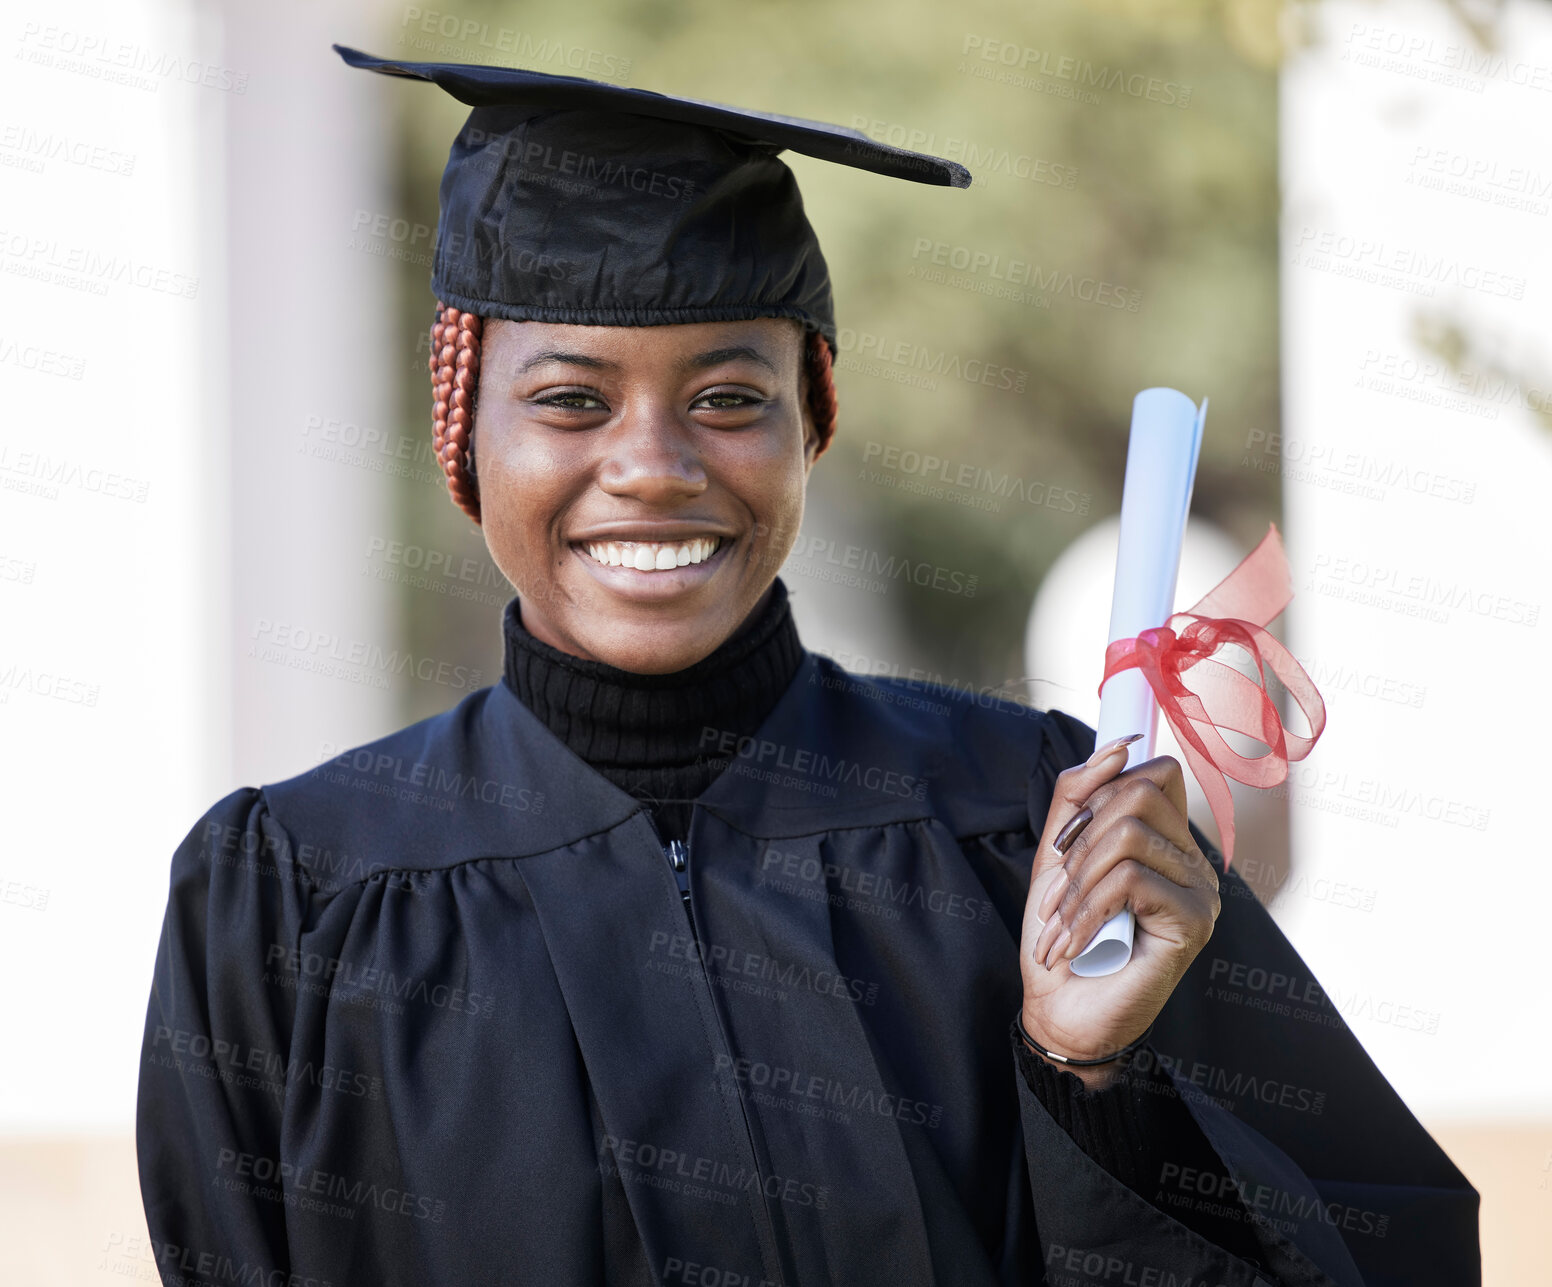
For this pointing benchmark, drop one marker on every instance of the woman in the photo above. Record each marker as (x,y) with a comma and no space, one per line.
(681,955)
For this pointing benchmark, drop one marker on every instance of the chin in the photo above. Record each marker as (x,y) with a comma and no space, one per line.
(657,647)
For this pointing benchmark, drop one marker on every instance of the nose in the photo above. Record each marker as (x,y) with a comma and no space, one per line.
(652,457)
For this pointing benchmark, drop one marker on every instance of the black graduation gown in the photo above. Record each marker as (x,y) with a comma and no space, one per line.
(436,1013)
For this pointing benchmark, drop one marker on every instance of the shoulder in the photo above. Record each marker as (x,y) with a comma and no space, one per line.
(431,794)
(977,751)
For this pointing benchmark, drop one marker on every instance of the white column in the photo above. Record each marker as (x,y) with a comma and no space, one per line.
(1417,196)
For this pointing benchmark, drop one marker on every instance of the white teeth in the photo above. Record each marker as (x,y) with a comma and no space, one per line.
(653,556)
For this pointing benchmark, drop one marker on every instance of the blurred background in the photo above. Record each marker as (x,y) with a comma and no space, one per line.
(225,553)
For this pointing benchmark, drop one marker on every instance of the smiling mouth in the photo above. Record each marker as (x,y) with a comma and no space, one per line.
(652,556)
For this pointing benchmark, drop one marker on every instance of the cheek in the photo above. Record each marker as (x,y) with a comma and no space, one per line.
(773,488)
(524,489)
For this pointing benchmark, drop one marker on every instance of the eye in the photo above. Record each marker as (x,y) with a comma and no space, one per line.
(572,400)
(727,400)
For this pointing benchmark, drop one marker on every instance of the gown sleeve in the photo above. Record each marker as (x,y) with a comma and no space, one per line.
(217,1047)
(1304,1167)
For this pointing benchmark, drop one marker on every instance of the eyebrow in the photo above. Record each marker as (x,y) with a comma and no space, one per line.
(699,362)
(715,357)
(572,359)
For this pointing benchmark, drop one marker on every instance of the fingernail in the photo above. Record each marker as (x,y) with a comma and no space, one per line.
(1109,748)
(1048,931)
(1075,948)
(1055,954)
(1053,895)
(1069,833)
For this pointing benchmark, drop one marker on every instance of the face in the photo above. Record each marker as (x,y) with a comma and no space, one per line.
(641,486)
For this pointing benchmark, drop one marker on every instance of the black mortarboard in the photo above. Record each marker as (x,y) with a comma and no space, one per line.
(569,200)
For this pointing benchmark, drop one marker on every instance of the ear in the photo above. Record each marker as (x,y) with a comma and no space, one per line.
(811,448)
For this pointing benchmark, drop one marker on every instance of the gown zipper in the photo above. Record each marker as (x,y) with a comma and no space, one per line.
(678,854)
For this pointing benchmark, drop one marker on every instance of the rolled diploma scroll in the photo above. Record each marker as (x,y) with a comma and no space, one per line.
(1161,457)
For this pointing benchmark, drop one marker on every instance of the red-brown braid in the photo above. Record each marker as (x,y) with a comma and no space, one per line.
(455,381)
(821,388)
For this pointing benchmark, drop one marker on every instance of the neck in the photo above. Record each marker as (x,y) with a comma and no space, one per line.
(656,736)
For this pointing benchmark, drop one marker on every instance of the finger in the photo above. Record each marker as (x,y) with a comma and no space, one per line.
(1071,791)
(1130,839)
(1123,797)
(1172,912)
(1165,772)
(1141,798)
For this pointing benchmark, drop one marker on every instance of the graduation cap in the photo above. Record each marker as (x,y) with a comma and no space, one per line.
(574,201)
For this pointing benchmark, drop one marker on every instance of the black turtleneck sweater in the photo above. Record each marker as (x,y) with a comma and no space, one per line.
(646,734)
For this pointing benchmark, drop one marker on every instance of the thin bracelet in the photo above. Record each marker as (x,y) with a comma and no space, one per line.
(1076,1063)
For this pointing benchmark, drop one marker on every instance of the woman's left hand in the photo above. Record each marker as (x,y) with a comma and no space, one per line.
(1136,851)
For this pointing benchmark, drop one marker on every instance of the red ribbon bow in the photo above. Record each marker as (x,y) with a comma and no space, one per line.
(1234,612)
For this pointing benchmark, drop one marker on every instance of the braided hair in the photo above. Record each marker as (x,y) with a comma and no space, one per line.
(455,379)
